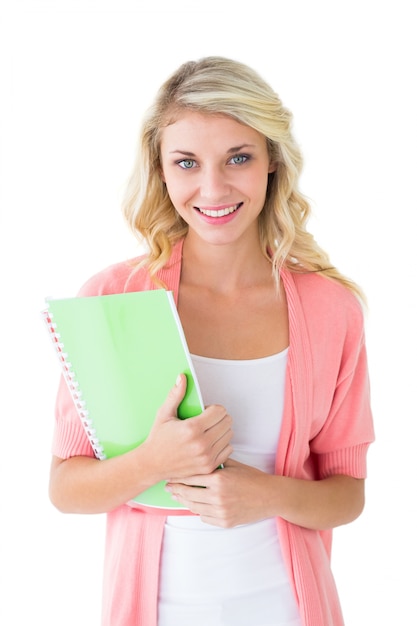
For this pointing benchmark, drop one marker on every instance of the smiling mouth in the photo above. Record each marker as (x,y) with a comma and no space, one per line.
(220,212)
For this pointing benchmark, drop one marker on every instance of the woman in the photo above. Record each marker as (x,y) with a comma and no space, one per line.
(276,335)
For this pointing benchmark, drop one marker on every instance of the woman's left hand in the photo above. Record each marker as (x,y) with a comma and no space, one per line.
(236,494)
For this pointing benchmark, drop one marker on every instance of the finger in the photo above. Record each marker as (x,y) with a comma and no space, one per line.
(174,398)
(173,484)
(214,416)
(198,480)
(190,494)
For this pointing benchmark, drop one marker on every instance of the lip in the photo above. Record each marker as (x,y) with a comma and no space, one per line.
(218,219)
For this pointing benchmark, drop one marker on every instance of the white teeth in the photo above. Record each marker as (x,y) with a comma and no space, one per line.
(221,212)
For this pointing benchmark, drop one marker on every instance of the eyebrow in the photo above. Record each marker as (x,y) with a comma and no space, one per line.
(230,151)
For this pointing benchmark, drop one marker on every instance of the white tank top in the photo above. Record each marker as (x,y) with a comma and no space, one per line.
(232,577)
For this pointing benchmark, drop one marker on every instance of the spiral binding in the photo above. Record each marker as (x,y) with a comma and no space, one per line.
(73,385)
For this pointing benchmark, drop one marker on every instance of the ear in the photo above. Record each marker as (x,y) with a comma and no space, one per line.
(272,168)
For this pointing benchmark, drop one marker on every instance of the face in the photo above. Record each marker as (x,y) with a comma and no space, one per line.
(216,173)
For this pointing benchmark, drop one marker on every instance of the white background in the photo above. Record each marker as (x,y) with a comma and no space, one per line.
(76,76)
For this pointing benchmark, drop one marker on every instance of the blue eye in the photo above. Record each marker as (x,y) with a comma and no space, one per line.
(186,164)
(239,159)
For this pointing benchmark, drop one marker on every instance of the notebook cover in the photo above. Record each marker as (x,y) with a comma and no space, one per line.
(120,355)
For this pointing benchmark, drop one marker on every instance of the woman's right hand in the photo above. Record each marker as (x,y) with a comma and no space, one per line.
(174,447)
(182,448)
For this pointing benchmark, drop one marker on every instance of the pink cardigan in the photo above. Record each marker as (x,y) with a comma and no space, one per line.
(327,428)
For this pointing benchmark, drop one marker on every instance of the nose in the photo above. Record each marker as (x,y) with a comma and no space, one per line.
(214,183)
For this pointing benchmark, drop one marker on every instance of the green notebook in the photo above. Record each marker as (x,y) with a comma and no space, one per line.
(120,355)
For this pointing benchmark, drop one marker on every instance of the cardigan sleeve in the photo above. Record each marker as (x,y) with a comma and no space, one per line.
(332,383)
(340,446)
(69,438)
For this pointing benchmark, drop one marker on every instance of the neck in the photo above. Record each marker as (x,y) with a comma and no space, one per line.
(224,268)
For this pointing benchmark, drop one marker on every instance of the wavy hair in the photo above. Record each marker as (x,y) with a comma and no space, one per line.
(218,85)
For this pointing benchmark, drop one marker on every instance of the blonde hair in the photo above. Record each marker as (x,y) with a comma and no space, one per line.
(223,86)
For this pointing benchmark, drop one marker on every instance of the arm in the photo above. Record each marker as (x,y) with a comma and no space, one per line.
(83,484)
(240,494)
(321,504)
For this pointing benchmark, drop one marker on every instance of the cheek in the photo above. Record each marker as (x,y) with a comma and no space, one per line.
(177,196)
(178,190)
(173,192)
(256,184)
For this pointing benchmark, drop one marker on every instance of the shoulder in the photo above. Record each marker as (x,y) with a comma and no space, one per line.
(324,298)
(329,321)
(331,314)
(132,275)
(117,278)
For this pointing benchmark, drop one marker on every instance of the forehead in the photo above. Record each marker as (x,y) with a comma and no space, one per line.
(191,128)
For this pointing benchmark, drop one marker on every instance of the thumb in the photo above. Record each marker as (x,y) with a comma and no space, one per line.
(173,399)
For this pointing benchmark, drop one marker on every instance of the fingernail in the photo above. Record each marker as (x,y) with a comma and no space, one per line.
(177,382)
